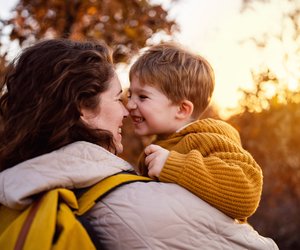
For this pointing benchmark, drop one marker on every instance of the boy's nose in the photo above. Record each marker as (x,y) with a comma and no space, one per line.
(131,105)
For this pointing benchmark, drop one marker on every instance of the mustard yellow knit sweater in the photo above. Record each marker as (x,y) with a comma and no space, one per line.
(207,158)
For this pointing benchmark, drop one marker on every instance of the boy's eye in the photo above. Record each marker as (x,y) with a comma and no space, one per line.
(142,97)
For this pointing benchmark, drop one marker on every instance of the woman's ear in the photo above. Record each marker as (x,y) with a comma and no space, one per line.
(83,115)
(86,115)
(185,110)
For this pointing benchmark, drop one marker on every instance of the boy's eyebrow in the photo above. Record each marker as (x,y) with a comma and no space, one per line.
(145,91)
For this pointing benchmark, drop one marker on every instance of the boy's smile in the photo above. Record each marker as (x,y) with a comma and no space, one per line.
(137,119)
(150,110)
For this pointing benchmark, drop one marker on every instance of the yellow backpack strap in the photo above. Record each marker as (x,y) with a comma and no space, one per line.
(90,197)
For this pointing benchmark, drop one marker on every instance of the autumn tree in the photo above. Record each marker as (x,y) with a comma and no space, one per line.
(284,81)
(259,97)
(125,25)
(269,125)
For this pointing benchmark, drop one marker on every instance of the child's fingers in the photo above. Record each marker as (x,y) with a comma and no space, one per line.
(149,159)
(151,148)
(151,174)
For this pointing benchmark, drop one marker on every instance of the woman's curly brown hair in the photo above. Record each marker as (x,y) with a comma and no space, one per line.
(42,94)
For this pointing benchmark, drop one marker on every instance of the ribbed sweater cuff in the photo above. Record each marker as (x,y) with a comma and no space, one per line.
(173,167)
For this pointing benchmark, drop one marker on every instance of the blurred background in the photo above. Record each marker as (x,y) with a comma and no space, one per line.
(254,47)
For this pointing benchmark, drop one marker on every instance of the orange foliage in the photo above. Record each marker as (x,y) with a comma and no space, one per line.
(125,25)
(273,138)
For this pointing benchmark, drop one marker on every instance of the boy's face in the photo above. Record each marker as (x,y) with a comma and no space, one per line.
(151,111)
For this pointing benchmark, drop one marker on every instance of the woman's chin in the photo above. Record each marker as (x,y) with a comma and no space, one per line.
(119,148)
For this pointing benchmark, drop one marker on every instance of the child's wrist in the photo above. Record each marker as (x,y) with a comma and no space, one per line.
(173,167)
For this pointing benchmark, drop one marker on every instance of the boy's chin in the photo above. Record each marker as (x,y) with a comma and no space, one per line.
(139,132)
(143,132)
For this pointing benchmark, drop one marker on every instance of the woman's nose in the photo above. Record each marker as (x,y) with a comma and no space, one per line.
(125,111)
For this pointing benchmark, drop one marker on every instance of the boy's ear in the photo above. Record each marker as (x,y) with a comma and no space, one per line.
(185,110)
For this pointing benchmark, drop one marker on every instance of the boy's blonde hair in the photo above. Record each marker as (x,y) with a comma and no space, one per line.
(178,73)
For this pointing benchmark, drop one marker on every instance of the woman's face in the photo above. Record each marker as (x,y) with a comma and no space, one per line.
(110,112)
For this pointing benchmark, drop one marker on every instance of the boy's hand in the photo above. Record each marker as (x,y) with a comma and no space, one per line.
(155,159)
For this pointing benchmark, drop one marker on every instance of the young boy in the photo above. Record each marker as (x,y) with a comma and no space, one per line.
(170,88)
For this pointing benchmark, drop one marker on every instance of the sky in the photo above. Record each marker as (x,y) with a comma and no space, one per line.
(217,30)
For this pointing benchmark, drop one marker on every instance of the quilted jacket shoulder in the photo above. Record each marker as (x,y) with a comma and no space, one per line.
(166,216)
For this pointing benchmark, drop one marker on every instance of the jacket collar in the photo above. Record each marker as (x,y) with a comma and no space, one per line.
(77,165)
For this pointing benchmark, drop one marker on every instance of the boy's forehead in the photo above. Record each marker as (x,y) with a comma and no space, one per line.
(139,88)
(145,88)
(137,83)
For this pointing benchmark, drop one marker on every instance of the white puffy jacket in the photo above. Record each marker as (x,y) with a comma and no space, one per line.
(135,216)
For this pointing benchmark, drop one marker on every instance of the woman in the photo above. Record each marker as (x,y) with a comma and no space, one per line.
(61,117)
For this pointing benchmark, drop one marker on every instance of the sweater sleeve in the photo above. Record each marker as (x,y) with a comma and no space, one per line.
(222,173)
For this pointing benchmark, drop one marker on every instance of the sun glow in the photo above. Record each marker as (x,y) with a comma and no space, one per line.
(293,85)
(237,42)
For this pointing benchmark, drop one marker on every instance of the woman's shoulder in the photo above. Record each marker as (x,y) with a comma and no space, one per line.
(168,200)
(160,214)
(142,210)
(77,165)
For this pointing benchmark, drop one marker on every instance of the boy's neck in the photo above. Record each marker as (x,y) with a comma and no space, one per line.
(186,124)
(180,126)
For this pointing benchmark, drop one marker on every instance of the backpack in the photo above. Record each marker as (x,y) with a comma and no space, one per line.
(51,221)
